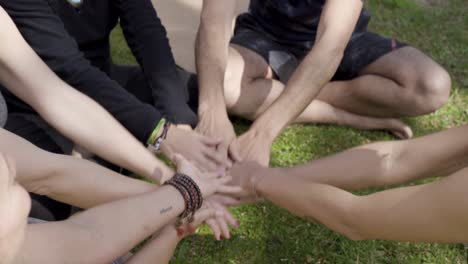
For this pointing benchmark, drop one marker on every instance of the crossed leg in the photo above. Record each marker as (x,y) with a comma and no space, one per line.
(250,89)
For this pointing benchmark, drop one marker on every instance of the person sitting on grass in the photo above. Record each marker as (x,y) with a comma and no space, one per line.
(284,52)
(73,39)
(86,123)
(110,230)
(430,212)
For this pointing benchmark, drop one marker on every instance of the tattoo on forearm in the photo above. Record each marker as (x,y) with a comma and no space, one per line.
(165,210)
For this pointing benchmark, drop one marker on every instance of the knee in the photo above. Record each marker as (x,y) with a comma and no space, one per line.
(431,91)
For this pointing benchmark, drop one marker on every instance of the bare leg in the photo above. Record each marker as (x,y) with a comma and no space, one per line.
(389,163)
(250,89)
(402,83)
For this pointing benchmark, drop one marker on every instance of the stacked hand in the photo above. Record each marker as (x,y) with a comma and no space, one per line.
(217,132)
(219,195)
(199,149)
(217,125)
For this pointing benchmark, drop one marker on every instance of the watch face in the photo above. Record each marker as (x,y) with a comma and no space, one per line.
(75,3)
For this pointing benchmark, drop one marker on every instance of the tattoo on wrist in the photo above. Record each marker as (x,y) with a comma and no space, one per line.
(165,210)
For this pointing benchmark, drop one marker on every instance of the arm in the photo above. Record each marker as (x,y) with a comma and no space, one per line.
(211,60)
(400,214)
(162,247)
(337,23)
(70,180)
(106,232)
(85,122)
(389,163)
(434,212)
(147,38)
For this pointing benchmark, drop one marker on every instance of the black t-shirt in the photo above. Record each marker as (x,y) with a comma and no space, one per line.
(294,20)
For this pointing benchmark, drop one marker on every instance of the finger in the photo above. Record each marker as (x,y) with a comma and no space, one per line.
(225,200)
(202,215)
(217,156)
(225,179)
(224,226)
(223,149)
(214,175)
(232,190)
(206,164)
(234,152)
(213,224)
(210,142)
(227,215)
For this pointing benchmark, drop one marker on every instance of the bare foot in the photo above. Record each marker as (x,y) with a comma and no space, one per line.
(392,125)
(398,128)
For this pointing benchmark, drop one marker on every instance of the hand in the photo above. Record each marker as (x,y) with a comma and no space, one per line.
(223,219)
(217,125)
(247,175)
(208,182)
(199,149)
(186,229)
(255,147)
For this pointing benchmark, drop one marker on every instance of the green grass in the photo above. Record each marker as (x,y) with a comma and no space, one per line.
(271,235)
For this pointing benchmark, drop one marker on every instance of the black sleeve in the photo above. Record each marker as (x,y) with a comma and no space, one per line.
(147,38)
(46,34)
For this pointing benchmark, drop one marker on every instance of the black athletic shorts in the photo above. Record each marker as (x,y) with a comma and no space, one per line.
(284,57)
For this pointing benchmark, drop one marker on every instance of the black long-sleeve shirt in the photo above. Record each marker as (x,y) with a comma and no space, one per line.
(74,43)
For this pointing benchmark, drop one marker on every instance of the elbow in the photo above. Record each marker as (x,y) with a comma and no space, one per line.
(348,222)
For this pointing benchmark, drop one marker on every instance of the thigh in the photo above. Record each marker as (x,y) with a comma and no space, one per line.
(390,59)
(258,55)
(243,69)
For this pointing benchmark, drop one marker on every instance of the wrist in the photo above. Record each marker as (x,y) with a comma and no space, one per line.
(263,178)
(256,179)
(212,107)
(262,132)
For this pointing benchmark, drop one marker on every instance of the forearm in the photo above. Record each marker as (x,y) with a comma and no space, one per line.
(91,127)
(66,179)
(390,163)
(316,202)
(104,233)
(160,249)
(337,22)
(211,51)
(310,77)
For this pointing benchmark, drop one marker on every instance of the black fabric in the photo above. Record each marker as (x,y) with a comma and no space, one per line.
(293,22)
(46,209)
(75,45)
(362,49)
